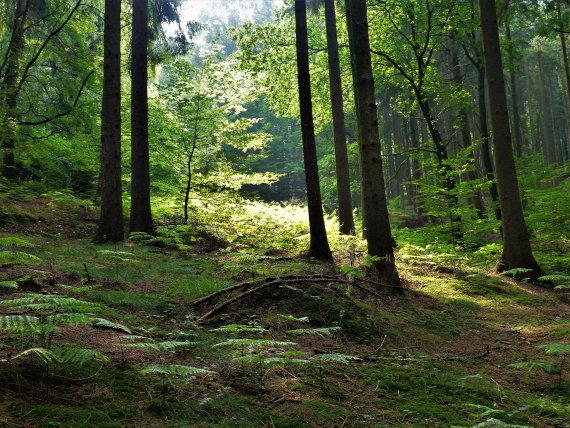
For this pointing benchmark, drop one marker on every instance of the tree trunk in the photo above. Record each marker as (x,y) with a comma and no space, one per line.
(486,148)
(141,217)
(9,92)
(549,143)
(517,128)
(339,133)
(375,218)
(319,246)
(111,221)
(517,252)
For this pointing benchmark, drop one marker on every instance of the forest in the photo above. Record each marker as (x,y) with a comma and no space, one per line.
(285,213)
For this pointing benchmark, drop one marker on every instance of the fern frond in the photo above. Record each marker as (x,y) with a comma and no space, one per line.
(71,319)
(337,358)
(177,370)
(81,289)
(140,236)
(292,318)
(17,258)
(533,365)
(233,328)
(9,284)
(253,343)
(268,361)
(43,354)
(160,346)
(78,356)
(34,301)
(563,287)
(104,323)
(549,278)
(323,331)
(516,272)
(555,348)
(19,324)
(11,241)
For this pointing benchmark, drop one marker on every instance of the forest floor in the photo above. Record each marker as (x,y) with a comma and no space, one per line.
(307,351)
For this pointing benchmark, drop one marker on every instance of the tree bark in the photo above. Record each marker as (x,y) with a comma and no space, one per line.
(9,91)
(339,132)
(319,246)
(517,127)
(111,221)
(375,219)
(141,217)
(517,252)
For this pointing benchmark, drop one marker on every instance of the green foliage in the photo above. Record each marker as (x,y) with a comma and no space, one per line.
(323,331)
(9,284)
(545,366)
(48,302)
(176,370)
(555,348)
(336,358)
(10,241)
(17,258)
(253,343)
(160,346)
(239,328)
(63,356)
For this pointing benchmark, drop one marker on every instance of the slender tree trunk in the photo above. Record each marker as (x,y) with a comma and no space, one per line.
(339,133)
(141,217)
(564,46)
(465,135)
(376,222)
(319,246)
(111,221)
(517,128)
(517,252)
(486,148)
(549,148)
(416,167)
(9,92)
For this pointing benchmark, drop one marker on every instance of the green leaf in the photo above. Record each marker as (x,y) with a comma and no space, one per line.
(323,331)
(253,343)
(104,323)
(43,354)
(19,324)
(555,348)
(9,241)
(160,346)
(533,365)
(78,356)
(17,258)
(232,328)
(9,284)
(177,370)
(336,358)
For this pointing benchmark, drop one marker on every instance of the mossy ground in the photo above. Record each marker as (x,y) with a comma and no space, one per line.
(437,356)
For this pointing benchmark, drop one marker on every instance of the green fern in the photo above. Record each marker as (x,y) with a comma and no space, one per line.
(140,236)
(545,366)
(516,272)
(253,343)
(10,242)
(104,323)
(81,289)
(292,318)
(17,258)
(73,356)
(323,331)
(555,348)
(554,278)
(9,284)
(48,301)
(268,361)
(337,358)
(176,370)
(19,324)
(160,346)
(233,328)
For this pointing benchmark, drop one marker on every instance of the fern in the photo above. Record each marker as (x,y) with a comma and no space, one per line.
(516,272)
(253,343)
(485,411)
(233,328)
(563,287)
(48,301)
(323,331)
(176,370)
(337,358)
(19,324)
(17,258)
(292,318)
(160,346)
(74,356)
(115,253)
(10,241)
(81,289)
(551,278)
(9,284)
(268,361)
(104,323)
(533,365)
(555,348)
(140,236)
(493,422)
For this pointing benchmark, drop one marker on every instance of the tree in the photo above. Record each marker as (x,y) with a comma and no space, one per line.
(141,216)
(517,252)
(339,132)
(111,221)
(319,246)
(375,218)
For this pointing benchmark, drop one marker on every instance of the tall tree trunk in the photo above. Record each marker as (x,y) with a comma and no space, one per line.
(111,221)
(517,252)
(339,132)
(564,46)
(375,218)
(416,167)
(549,146)
(141,217)
(9,92)
(319,246)
(517,128)
(485,137)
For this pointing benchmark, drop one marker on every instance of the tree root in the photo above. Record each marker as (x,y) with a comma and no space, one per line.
(259,285)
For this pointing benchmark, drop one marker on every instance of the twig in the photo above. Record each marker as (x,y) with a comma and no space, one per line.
(87,273)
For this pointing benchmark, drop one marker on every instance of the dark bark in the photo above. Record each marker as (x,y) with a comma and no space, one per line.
(517,127)
(111,221)
(517,252)
(339,132)
(375,218)
(9,90)
(141,217)
(319,246)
